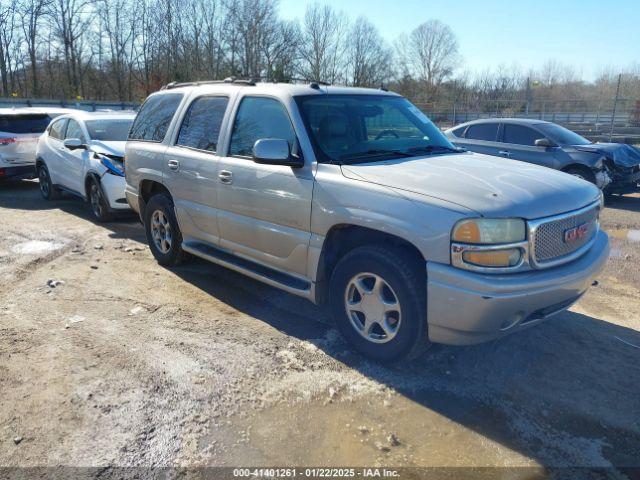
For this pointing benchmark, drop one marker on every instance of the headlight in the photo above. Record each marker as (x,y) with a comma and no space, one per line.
(487,231)
(490,244)
(113,166)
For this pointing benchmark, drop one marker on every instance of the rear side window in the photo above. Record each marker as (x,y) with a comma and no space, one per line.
(258,118)
(30,123)
(483,131)
(520,135)
(201,125)
(154,117)
(58,128)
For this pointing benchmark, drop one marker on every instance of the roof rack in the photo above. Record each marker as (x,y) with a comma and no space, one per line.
(233,80)
(243,81)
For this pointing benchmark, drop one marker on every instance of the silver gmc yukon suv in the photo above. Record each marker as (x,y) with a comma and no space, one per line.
(353,198)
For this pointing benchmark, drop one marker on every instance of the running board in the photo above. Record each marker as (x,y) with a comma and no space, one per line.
(250,268)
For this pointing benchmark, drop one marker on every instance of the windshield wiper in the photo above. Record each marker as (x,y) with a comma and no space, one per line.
(435,149)
(375,153)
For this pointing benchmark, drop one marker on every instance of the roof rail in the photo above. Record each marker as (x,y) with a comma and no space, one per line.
(233,80)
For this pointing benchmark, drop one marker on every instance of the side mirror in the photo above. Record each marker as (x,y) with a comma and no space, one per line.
(74,144)
(545,142)
(275,151)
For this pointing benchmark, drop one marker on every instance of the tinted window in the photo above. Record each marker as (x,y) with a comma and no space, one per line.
(201,125)
(114,130)
(520,135)
(57,129)
(24,123)
(74,130)
(561,135)
(483,131)
(260,118)
(458,131)
(154,117)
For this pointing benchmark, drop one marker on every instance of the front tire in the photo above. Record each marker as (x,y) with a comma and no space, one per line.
(162,230)
(47,189)
(378,300)
(99,205)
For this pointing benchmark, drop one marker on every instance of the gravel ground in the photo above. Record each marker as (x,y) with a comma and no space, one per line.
(107,359)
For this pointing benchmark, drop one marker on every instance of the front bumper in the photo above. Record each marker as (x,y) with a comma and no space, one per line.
(113,187)
(20,171)
(465,308)
(622,181)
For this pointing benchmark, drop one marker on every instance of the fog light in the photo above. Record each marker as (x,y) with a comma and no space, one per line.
(493,258)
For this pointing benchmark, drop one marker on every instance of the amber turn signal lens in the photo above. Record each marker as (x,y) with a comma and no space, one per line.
(467,232)
(493,258)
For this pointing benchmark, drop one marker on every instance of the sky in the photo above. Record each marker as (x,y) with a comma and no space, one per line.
(588,35)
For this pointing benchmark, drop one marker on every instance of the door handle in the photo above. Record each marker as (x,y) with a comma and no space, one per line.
(173,165)
(505,153)
(225,176)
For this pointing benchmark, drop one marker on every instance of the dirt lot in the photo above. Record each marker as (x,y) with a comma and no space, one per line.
(126,363)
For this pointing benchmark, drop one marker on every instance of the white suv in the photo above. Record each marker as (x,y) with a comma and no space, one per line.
(20,129)
(83,154)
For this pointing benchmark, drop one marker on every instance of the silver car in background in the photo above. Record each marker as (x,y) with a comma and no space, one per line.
(613,167)
(20,129)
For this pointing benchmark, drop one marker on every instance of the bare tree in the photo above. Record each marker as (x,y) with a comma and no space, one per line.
(322,44)
(7,38)
(368,59)
(429,53)
(32,13)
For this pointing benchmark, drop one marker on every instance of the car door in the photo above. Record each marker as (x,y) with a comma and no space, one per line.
(264,210)
(53,151)
(73,161)
(192,167)
(481,138)
(518,142)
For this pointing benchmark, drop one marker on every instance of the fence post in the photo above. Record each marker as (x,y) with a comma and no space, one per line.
(615,106)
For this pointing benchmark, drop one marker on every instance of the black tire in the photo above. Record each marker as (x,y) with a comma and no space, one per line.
(162,204)
(583,173)
(405,280)
(47,189)
(98,202)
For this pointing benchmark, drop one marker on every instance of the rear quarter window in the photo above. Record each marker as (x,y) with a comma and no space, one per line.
(153,119)
(458,132)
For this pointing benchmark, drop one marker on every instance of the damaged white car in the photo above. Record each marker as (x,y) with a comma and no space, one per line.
(83,154)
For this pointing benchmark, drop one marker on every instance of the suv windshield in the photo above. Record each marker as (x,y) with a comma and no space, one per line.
(109,130)
(561,135)
(364,128)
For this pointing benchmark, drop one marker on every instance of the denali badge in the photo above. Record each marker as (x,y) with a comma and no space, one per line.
(575,233)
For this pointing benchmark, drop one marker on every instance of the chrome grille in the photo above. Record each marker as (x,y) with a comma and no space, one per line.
(548,237)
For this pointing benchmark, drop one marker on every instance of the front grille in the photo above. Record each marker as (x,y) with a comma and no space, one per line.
(549,237)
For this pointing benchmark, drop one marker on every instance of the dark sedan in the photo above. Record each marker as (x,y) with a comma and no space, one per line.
(613,167)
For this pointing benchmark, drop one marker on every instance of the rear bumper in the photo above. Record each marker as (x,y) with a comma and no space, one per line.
(21,171)
(466,308)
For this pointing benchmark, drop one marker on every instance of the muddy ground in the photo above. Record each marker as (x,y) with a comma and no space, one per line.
(126,363)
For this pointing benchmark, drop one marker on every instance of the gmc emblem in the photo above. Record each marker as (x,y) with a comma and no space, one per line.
(576,233)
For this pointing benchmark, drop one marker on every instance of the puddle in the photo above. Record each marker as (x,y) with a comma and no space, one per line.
(625,234)
(33,247)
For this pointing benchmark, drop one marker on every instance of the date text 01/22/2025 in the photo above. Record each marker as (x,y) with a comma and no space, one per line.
(316,472)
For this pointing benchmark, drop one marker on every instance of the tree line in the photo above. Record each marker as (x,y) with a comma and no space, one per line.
(125,49)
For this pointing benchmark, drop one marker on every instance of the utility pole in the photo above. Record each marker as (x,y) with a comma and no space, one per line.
(615,106)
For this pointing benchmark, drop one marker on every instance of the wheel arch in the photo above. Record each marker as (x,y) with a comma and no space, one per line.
(343,238)
(581,167)
(147,189)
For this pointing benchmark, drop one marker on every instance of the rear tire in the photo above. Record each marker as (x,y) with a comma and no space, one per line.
(47,189)
(98,202)
(378,301)
(162,231)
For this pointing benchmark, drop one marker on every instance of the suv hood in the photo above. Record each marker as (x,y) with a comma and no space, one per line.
(491,186)
(623,155)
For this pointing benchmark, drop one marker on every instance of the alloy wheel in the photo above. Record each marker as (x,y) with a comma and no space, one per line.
(161,231)
(373,307)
